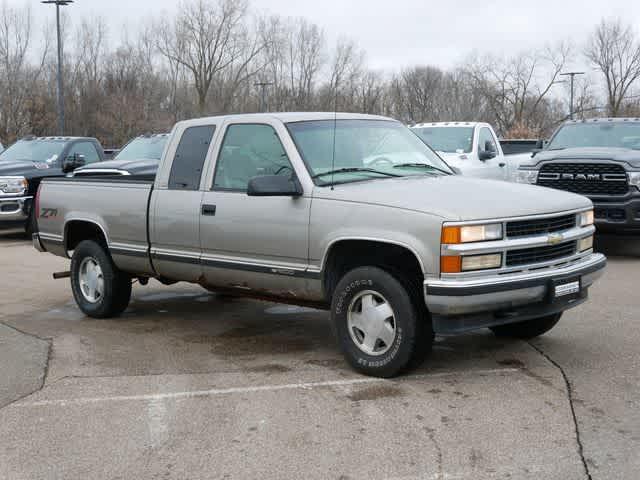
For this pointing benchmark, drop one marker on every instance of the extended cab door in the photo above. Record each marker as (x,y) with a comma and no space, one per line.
(491,160)
(254,243)
(175,206)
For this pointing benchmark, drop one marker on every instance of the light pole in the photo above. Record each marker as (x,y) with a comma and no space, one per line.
(58,4)
(263,99)
(572,75)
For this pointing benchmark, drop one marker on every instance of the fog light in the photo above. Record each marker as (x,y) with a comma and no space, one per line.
(585,244)
(481,262)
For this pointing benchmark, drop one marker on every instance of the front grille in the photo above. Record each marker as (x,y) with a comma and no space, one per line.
(539,226)
(540,254)
(585,178)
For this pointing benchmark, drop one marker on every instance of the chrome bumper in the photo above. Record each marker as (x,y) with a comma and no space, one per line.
(14,209)
(451,297)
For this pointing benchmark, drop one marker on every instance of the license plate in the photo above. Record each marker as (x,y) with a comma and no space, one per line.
(565,289)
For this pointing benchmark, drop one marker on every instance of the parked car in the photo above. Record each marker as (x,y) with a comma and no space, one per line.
(24,164)
(283,207)
(472,148)
(599,158)
(138,157)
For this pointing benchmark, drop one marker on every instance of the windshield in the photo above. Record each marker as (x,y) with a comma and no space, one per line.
(143,148)
(362,148)
(447,139)
(40,151)
(614,134)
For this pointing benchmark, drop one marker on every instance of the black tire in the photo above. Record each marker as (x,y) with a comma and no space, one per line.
(527,329)
(117,284)
(413,335)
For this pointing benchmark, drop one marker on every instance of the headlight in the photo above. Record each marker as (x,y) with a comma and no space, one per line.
(585,244)
(471,233)
(13,185)
(634,179)
(526,176)
(585,218)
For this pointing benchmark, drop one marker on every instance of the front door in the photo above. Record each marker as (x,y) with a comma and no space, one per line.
(253,243)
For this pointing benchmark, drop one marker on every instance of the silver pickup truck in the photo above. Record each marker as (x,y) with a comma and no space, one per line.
(288,207)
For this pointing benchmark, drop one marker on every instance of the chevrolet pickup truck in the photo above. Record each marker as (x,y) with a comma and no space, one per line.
(283,207)
(598,158)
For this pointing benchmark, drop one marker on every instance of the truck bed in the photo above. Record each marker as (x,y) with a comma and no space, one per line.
(117,205)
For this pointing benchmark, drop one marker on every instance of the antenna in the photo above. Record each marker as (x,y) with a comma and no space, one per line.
(335,126)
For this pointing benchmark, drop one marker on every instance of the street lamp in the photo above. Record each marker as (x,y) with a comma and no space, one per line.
(263,99)
(572,75)
(58,4)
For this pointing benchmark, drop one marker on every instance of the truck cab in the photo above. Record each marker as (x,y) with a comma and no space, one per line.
(471,147)
(28,161)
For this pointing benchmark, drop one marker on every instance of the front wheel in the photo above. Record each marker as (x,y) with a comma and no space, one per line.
(100,289)
(529,328)
(377,323)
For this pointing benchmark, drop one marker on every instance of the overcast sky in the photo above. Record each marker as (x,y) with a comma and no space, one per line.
(397,33)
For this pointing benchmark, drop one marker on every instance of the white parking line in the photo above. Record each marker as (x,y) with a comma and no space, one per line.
(235,390)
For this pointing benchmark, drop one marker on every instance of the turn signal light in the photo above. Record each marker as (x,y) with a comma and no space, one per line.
(450,264)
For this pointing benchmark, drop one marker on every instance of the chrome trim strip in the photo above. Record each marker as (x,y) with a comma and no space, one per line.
(99,170)
(518,243)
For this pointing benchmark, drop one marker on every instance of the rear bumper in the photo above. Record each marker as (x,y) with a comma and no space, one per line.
(15,209)
(621,216)
(504,299)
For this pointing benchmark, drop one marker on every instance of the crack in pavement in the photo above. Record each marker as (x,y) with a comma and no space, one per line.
(46,365)
(571,406)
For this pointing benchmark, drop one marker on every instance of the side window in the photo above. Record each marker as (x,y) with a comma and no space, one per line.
(249,150)
(188,161)
(87,150)
(484,137)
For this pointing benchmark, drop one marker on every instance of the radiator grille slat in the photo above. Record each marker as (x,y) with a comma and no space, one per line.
(537,227)
(540,254)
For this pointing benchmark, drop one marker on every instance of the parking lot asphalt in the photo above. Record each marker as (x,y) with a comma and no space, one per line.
(188,384)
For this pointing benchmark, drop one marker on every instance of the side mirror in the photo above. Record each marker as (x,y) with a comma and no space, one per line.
(540,144)
(274,186)
(72,162)
(489,151)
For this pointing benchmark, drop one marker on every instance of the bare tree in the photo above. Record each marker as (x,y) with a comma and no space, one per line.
(207,38)
(615,50)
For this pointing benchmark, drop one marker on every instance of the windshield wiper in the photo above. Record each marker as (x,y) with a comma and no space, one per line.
(421,165)
(354,169)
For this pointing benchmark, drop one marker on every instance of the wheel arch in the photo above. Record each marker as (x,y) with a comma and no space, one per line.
(387,254)
(77,230)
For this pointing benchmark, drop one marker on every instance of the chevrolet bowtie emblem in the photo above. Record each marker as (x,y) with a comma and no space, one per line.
(555,238)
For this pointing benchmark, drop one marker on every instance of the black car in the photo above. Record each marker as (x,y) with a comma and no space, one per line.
(140,157)
(24,164)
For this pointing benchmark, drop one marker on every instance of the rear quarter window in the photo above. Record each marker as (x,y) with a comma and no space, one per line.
(188,161)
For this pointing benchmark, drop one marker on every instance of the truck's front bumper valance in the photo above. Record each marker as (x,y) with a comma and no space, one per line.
(503,293)
(14,209)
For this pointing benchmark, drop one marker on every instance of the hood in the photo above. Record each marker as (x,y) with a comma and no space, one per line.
(623,155)
(134,167)
(28,169)
(454,197)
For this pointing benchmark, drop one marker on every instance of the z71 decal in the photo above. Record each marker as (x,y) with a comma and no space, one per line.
(49,213)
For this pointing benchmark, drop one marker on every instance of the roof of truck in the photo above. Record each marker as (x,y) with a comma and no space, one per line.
(450,124)
(605,120)
(287,117)
(55,139)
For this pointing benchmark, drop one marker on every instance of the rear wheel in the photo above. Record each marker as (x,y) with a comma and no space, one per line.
(378,325)
(529,328)
(100,289)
